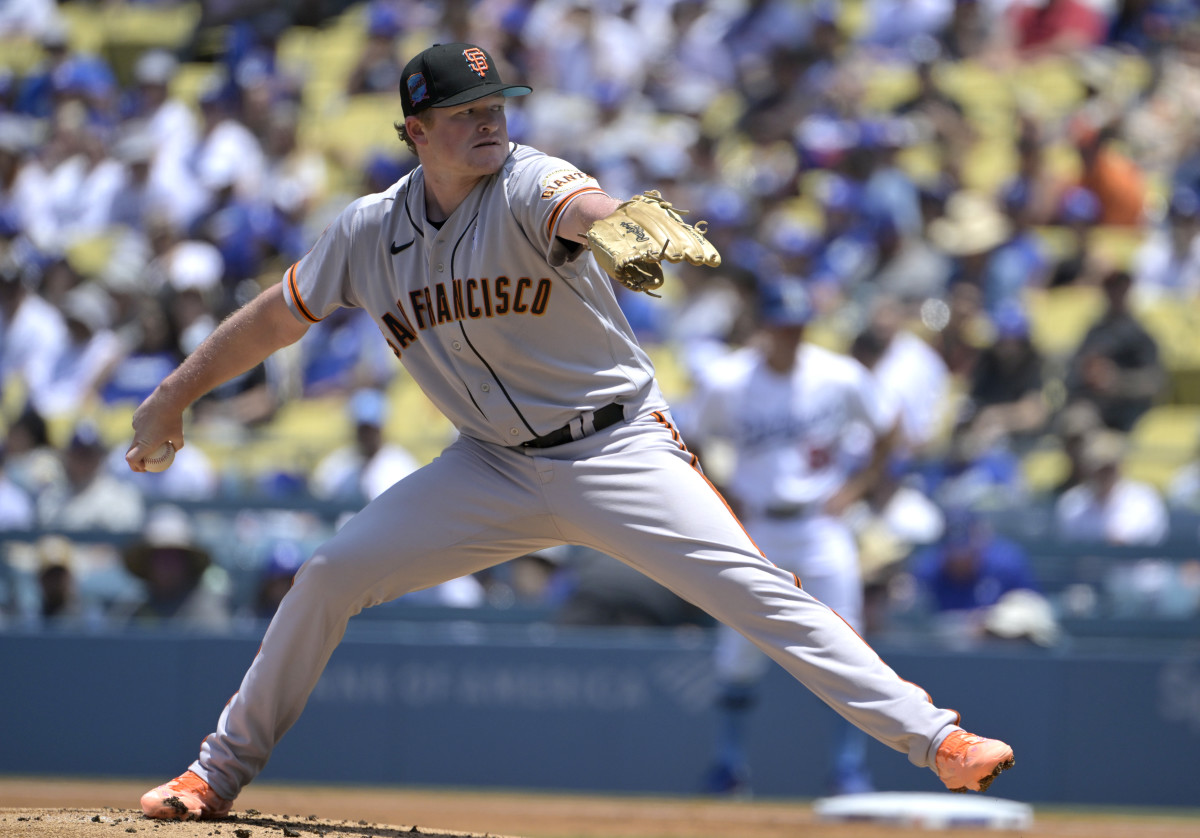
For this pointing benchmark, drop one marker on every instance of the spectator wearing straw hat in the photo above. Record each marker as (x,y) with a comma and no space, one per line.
(992,246)
(175,569)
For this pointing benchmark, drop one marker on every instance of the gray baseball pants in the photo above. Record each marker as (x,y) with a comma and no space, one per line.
(631,491)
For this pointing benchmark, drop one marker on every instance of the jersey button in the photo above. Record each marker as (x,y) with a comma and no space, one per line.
(487,388)
(514,432)
(456,345)
(441,267)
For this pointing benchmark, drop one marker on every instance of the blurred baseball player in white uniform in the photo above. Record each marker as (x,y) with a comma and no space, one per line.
(474,268)
(798,420)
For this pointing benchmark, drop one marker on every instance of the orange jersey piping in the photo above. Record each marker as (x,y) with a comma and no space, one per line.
(295,292)
(564,203)
(695,462)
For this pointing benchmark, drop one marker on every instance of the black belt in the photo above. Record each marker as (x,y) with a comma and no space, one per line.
(606,416)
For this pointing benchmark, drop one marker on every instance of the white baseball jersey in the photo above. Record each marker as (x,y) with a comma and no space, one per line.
(489,314)
(791,433)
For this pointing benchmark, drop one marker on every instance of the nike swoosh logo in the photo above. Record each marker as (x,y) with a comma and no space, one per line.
(400,248)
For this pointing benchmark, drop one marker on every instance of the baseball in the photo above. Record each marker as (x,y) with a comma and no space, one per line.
(161,458)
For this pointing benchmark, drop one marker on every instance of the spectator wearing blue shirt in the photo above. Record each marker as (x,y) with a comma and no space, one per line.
(847,251)
(971,567)
(378,69)
(1022,261)
(1145,26)
(35,92)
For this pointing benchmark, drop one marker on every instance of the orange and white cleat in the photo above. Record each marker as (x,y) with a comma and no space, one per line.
(966,761)
(186,798)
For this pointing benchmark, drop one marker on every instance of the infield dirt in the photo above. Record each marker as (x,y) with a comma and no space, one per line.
(40,808)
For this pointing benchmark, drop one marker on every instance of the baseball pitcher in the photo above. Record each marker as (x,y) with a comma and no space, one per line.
(482,271)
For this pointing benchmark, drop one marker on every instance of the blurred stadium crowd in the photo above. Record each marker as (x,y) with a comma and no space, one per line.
(994,203)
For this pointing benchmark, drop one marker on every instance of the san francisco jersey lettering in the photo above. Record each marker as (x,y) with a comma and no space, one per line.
(494,341)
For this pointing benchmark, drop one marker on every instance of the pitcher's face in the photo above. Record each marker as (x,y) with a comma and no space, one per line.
(469,139)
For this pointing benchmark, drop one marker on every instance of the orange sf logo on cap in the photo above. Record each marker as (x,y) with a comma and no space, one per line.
(477,58)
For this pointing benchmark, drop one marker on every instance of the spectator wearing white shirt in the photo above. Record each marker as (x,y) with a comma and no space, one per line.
(694,66)
(87,359)
(194,270)
(30,460)
(911,371)
(88,497)
(33,333)
(16,505)
(1167,263)
(1108,507)
(228,156)
(17,138)
(586,50)
(167,120)
(364,469)
(133,203)
(85,184)
(890,26)
(28,19)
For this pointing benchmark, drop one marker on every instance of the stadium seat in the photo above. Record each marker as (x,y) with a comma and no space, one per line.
(416,424)
(89,256)
(19,55)
(1059,317)
(986,98)
(150,25)
(989,164)
(1150,469)
(129,29)
(190,80)
(115,423)
(1117,245)
(1174,324)
(85,25)
(352,128)
(316,424)
(673,377)
(294,49)
(1163,440)
(887,85)
(1049,86)
(1043,468)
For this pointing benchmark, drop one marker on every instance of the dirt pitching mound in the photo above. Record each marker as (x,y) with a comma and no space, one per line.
(117,823)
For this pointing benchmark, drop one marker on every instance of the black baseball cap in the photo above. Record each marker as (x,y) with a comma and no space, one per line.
(452,74)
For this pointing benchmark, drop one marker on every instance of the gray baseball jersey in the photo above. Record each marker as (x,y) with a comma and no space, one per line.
(490,316)
(513,339)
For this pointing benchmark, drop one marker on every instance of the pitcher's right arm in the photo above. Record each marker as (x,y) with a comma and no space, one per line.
(243,341)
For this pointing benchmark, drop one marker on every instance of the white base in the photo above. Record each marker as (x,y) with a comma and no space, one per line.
(930,811)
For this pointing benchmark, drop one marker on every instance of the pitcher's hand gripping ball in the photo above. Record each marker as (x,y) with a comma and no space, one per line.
(631,243)
(162,457)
